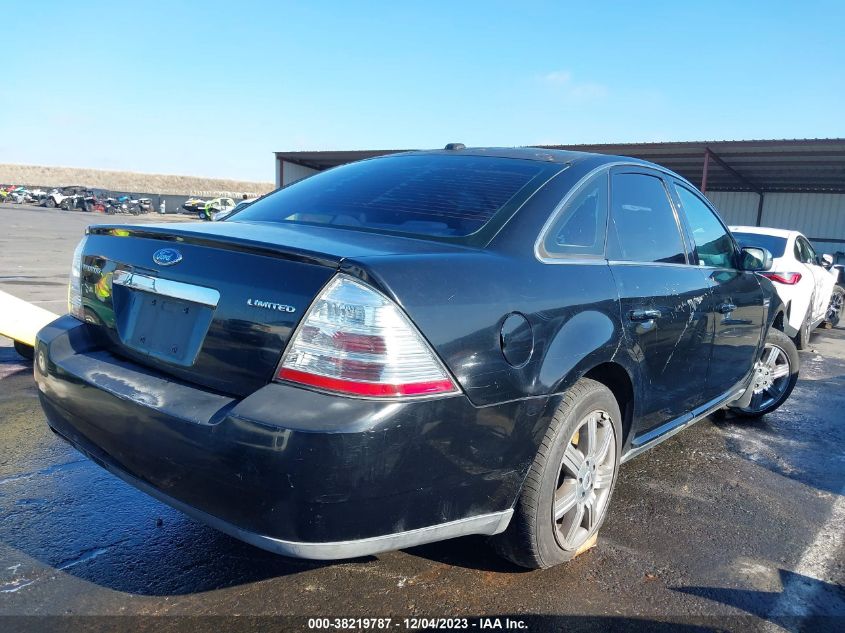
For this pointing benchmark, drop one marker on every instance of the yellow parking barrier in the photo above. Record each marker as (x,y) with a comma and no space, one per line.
(20,320)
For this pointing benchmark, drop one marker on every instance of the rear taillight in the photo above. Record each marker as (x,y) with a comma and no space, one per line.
(790,279)
(356,341)
(74,290)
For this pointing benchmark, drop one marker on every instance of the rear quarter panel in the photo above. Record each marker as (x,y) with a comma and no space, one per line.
(460,302)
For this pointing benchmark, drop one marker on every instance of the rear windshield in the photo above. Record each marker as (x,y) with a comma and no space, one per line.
(421,194)
(775,245)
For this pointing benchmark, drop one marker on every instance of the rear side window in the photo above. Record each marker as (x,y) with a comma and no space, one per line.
(713,244)
(423,194)
(807,254)
(772,243)
(642,224)
(580,227)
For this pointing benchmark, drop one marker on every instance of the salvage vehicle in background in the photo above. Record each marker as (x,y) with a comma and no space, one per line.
(121,204)
(217,205)
(805,282)
(19,195)
(414,347)
(54,198)
(193,205)
(64,197)
(145,205)
(217,216)
(94,201)
(13,194)
(34,196)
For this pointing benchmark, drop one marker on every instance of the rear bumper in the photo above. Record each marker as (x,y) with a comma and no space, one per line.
(293,471)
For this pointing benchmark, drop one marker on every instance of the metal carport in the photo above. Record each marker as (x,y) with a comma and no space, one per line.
(792,183)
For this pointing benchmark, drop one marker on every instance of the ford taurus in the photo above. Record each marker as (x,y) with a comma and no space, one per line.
(413,348)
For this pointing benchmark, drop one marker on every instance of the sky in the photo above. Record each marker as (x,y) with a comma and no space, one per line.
(214,88)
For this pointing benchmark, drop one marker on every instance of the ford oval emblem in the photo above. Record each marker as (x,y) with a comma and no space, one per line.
(167,257)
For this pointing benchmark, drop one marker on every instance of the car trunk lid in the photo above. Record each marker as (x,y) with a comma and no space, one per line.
(215,304)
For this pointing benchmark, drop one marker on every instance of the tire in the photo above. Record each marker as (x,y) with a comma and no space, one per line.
(535,538)
(27,351)
(50,204)
(782,382)
(836,305)
(802,339)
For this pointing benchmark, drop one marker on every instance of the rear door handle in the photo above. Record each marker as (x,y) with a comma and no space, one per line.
(726,308)
(644,315)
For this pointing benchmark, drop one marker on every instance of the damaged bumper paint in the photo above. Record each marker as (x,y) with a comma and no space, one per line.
(294,471)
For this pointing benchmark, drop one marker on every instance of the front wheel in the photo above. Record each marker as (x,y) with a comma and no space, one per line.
(834,308)
(775,375)
(567,491)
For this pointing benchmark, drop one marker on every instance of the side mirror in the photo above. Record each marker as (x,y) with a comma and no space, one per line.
(755,259)
(826,261)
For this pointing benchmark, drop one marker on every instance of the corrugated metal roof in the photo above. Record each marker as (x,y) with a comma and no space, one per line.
(812,165)
(786,165)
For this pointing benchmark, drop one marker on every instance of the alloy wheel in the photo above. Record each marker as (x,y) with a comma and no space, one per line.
(771,378)
(584,480)
(834,308)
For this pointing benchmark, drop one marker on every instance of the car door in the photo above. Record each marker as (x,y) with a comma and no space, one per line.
(735,304)
(822,280)
(663,299)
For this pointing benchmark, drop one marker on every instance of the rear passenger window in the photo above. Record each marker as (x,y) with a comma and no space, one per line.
(642,223)
(713,244)
(579,229)
(808,255)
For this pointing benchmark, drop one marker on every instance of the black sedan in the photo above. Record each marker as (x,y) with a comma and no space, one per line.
(413,348)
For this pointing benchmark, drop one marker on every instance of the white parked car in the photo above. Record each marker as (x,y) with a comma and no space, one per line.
(804,280)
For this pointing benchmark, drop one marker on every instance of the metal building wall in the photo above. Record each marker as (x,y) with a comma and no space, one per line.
(287,172)
(736,207)
(819,216)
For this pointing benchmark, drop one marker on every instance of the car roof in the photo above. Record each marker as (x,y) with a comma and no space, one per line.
(534,153)
(764,230)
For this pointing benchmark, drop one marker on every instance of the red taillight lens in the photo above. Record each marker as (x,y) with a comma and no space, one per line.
(372,389)
(790,279)
(356,341)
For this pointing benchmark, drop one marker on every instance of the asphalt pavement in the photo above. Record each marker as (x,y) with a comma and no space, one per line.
(730,524)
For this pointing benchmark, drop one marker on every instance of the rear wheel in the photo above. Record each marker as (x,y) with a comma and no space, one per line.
(775,375)
(834,308)
(802,339)
(566,494)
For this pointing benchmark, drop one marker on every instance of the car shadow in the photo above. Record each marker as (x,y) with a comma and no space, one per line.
(469,552)
(12,363)
(803,603)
